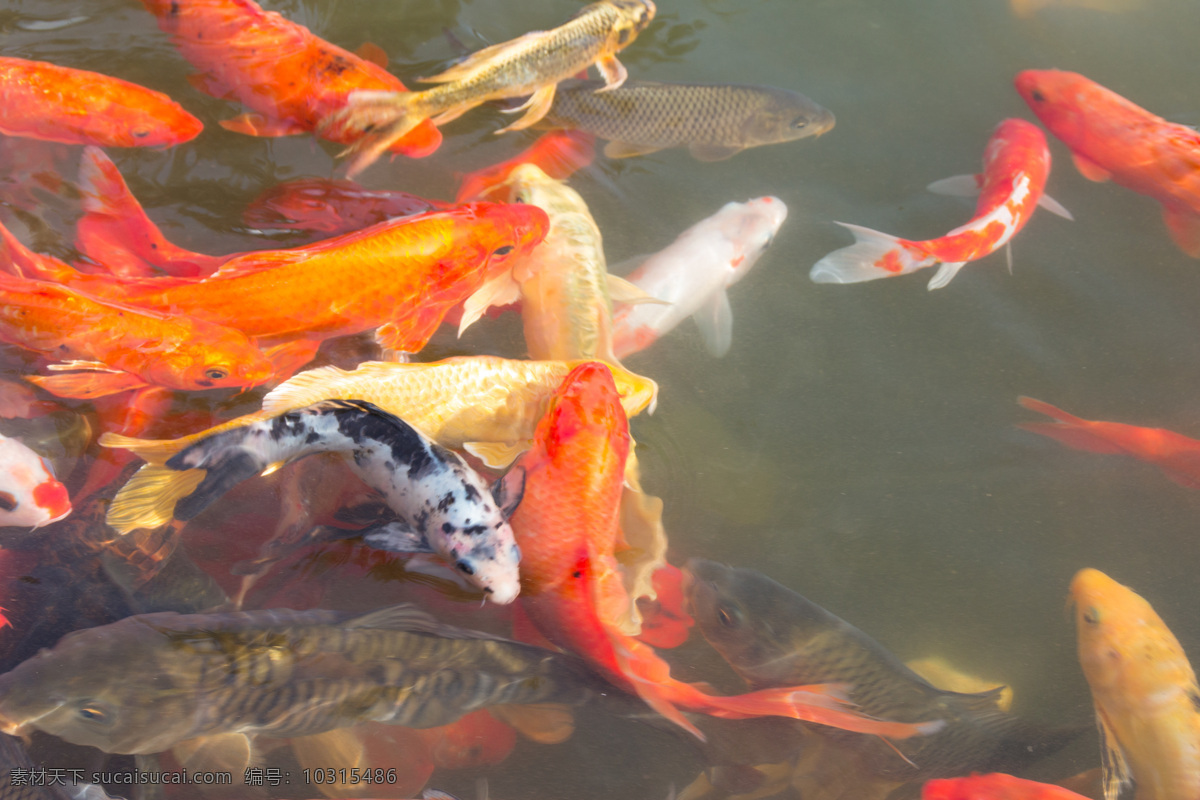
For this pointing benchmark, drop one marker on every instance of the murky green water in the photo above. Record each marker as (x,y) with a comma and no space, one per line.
(857,443)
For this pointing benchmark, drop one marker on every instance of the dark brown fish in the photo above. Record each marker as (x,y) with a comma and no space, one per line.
(148,682)
(772,636)
(713,120)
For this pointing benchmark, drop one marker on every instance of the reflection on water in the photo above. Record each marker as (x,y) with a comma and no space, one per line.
(857,444)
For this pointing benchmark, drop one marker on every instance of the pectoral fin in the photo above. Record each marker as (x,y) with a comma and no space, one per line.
(1112,760)
(1054,207)
(397,537)
(87,385)
(258,125)
(538,104)
(1090,169)
(498,291)
(223,752)
(956,186)
(369,51)
(945,274)
(612,71)
(289,357)
(713,152)
(496,455)
(1184,225)
(617,149)
(715,320)
(623,291)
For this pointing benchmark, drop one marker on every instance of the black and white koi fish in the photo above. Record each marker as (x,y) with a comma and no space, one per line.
(444,506)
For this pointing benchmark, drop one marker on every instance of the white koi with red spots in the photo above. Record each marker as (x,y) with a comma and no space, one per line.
(692,274)
(1016,164)
(30,496)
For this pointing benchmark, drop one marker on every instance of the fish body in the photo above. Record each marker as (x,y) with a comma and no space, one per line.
(994,786)
(1016,164)
(75,106)
(559,154)
(290,78)
(30,495)
(148,682)
(1111,137)
(330,206)
(1143,688)
(532,65)
(443,505)
(572,591)
(693,273)
(772,636)
(402,275)
(110,347)
(713,120)
(1178,456)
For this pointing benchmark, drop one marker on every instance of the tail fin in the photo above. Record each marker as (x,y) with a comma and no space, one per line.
(374,121)
(154,452)
(148,499)
(873,255)
(1068,429)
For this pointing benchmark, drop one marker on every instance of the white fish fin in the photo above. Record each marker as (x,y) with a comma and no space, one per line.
(497,455)
(397,537)
(623,291)
(713,152)
(1054,207)
(66,366)
(862,260)
(539,103)
(1112,760)
(498,291)
(450,115)
(946,273)
(715,320)
(429,564)
(304,388)
(617,149)
(613,72)
(222,752)
(956,186)
(472,64)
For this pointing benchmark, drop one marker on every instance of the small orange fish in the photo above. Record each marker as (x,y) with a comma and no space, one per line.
(110,348)
(401,275)
(995,786)
(665,621)
(1111,137)
(559,154)
(571,586)
(474,740)
(288,76)
(1178,456)
(74,106)
(1143,688)
(329,206)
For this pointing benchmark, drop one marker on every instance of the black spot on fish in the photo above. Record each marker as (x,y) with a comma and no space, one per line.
(8,502)
(577,573)
(623,37)
(174,8)
(447,527)
(312,438)
(446,501)
(465,568)
(363,422)
(471,492)
(475,530)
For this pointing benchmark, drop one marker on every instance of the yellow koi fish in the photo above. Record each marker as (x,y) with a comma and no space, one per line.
(484,404)
(532,65)
(1144,690)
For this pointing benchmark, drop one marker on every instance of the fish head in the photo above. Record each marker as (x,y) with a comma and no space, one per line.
(217,358)
(109,687)
(30,495)
(784,116)
(633,16)
(1062,100)
(154,120)
(507,232)
(747,230)
(586,410)
(1124,646)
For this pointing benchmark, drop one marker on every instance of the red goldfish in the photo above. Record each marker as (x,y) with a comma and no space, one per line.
(59,104)
(1178,456)
(319,204)
(401,275)
(559,154)
(1110,137)
(996,786)
(30,496)
(571,586)
(1016,163)
(290,78)
(1143,689)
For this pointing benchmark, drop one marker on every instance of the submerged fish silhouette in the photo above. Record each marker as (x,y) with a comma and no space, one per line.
(772,636)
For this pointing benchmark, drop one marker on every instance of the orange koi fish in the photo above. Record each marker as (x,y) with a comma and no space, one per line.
(1144,690)
(74,106)
(1110,137)
(329,206)
(559,154)
(1016,163)
(1178,456)
(290,78)
(995,786)
(30,495)
(571,587)
(401,275)
(111,348)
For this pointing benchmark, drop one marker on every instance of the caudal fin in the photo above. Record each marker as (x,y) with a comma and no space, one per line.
(1068,429)
(148,499)
(873,255)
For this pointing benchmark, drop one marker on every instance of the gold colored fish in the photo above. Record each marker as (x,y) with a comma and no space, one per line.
(150,682)
(714,121)
(486,405)
(532,65)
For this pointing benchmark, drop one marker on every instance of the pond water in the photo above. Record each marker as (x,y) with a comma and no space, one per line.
(858,442)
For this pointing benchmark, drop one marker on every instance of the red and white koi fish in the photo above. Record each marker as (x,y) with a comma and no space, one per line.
(1110,137)
(1016,164)
(30,496)
(692,274)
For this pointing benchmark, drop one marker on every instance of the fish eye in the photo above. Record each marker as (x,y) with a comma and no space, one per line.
(464,567)
(503,251)
(729,616)
(799,123)
(92,713)
(140,134)
(1037,96)
(1091,615)
(216,374)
